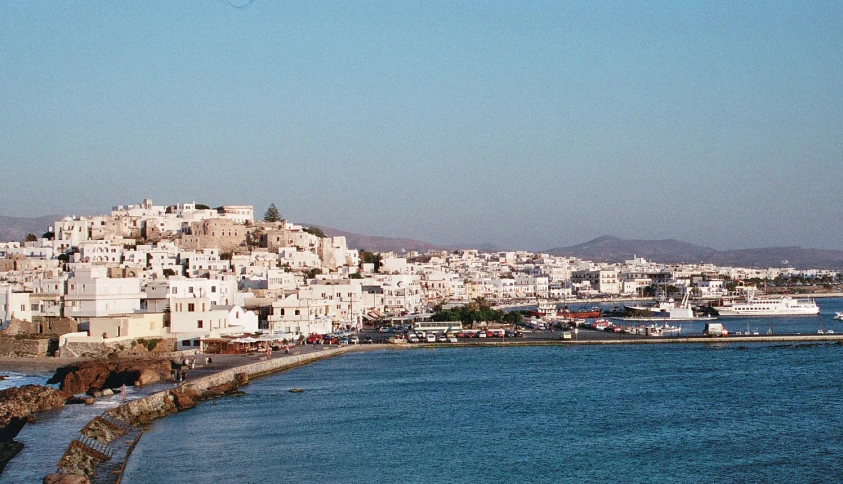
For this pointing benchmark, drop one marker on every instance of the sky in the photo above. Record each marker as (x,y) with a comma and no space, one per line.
(528,125)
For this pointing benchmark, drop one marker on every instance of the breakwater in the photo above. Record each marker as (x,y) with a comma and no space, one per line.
(100,451)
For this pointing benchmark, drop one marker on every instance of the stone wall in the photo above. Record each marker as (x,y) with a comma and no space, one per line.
(75,349)
(83,460)
(10,346)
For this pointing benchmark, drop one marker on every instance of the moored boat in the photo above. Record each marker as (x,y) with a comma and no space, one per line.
(783,306)
(579,314)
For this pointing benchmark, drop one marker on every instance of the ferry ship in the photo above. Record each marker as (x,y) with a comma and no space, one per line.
(784,306)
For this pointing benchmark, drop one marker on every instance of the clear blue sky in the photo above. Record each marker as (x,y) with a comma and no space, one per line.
(524,124)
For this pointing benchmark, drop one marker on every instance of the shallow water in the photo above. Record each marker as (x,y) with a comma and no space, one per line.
(682,413)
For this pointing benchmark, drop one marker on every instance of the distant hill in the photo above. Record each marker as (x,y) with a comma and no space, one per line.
(613,249)
(380,244)
(16,228)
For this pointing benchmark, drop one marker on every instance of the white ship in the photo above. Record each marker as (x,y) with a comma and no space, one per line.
(784,306)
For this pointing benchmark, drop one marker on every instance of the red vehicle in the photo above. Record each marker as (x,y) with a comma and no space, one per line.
(314,339)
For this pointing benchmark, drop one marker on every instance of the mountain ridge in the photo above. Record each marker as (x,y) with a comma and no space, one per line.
(612,249)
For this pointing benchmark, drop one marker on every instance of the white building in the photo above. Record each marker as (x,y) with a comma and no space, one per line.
(298,316)
(91,293)
(14,305)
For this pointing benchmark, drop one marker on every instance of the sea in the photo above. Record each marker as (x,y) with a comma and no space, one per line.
(725,412)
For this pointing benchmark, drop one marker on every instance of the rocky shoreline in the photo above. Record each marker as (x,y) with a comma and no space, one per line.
(106,441)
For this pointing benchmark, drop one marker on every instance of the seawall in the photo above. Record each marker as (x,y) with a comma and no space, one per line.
(104,444)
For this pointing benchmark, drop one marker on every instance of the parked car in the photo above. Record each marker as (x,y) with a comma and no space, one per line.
(367,340)
(430,338)
(442,339)
(353,339)
(314,339)
(481,334)
(413,338)
(452,339)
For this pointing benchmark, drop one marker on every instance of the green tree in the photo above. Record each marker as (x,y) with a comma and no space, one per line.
(367,257)
(355,275)
(272,214)
(513,317)
(31,237)
(315,231)
(313,272)
(202,206)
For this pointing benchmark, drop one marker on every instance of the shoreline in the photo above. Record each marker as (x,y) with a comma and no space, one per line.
(37,365)
(132,411)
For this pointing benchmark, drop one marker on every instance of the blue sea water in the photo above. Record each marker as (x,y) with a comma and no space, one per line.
(640,413)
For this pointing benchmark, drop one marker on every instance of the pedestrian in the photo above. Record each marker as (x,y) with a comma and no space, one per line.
(210,360)
(207,360)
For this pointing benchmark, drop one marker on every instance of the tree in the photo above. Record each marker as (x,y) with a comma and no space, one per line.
(202,206)
(313,272)
(355,275)
(315,231)
(272,214)
(367,257)
(31,237)
(48,235)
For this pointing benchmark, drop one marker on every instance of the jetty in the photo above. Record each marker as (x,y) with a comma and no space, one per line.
(103,446)
(100,451)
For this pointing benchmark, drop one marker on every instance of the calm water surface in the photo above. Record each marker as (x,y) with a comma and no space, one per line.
(675,413)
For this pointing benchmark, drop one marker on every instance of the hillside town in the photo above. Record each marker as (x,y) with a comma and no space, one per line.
(186,274)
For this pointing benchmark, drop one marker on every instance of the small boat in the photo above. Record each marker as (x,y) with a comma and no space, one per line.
(838,315)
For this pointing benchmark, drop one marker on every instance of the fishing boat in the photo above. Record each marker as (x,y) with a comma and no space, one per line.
(582,313)
(838,315)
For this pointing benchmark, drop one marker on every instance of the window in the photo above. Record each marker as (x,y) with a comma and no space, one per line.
(213,288)
(185,342)
(199,324)
(196,342)
(298,312)
(191,307)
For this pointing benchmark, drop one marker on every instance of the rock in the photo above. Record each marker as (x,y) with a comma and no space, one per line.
(147,376)
(78,400)
(17,404)
(7,451)
(185,397)
(107,392)
(242,378)
(65,479)
(216,391)
(99,374)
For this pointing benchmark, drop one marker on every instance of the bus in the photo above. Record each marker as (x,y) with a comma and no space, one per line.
(437,326)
